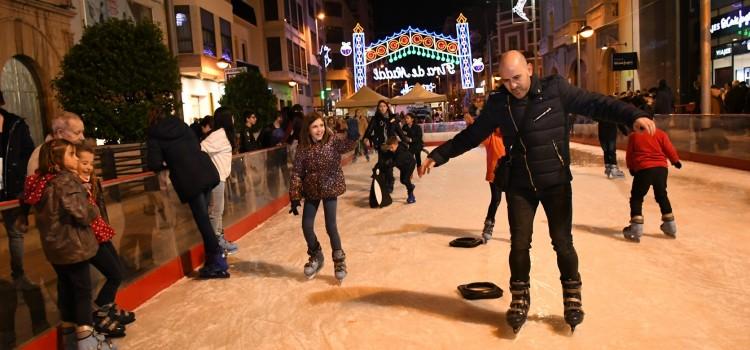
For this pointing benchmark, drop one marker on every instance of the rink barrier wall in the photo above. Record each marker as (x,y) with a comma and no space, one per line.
(724,162)
(160,278)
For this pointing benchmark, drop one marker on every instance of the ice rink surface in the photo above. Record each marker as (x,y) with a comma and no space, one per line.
(692,292)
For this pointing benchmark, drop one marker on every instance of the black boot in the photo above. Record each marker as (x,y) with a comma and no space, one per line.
(572,302)
(519,305)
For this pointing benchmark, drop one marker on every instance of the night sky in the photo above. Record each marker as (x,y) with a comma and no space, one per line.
(394,15)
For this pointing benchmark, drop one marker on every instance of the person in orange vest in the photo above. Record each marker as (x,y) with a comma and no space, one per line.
(495,149)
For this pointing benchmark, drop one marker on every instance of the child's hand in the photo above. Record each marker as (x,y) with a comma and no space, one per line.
(678,165)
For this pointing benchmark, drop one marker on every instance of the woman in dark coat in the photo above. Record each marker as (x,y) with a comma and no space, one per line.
(172,145)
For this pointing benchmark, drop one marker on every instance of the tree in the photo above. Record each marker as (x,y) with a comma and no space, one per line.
(249,91)
(114,75)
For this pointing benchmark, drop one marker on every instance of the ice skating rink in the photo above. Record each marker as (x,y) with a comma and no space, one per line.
(688,293)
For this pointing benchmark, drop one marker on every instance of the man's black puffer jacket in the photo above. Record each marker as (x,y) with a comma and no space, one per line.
(542,151)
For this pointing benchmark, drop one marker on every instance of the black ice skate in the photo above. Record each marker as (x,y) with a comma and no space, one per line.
(339,265)
(314,264)
(519,305)
(572,302)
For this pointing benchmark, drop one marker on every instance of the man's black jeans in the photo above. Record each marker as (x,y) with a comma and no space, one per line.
(557,202)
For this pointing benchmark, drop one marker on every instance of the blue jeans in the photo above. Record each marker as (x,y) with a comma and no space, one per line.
(308,224)
(199,207)
(216,208)
(15,241)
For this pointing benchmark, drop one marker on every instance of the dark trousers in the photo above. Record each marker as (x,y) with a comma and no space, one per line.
(557,202)
(494,202)
(199,207)
(608,141)
(384,157)
(405,173)
(656,177)
(74,293)
(107,262)
(308,223)
(15,241)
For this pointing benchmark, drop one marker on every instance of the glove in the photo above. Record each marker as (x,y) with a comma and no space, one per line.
(678,165)
(295,205)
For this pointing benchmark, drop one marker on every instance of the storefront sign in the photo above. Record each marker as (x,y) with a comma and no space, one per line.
(402,73)
(229,73)
(624,61)
(730,22)
(721,51)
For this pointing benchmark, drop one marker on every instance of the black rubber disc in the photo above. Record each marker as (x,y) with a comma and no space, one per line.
(480,290)
(466,242)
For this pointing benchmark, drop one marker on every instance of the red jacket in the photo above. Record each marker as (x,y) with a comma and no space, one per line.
(646,151)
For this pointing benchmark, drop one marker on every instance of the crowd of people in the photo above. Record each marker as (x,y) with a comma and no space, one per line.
(525,134)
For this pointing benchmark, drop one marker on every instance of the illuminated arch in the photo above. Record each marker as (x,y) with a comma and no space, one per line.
(415,41)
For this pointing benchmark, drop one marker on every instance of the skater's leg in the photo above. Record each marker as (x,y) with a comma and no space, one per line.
(309,209)
(338,256)
(659,181)
(522,204)
(314,250)
(108,263)
(329,210)
(557,202)
(418,157)
(489,220)
(495,198)
(608,141)
(641,183)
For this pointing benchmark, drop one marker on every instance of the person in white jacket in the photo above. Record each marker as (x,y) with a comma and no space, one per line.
(219,145)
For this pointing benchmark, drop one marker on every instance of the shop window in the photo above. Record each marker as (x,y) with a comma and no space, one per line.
(311,8)
(271,10)
(209,33)
(244,53)
(226,40)
(304,61)
(184,32)
(273,45)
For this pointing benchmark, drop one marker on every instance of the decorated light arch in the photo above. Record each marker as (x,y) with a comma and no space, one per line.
(414,41)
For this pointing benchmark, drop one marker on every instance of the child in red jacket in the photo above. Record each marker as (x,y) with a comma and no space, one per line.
(647,161)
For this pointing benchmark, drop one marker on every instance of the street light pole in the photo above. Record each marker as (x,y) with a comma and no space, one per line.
(321,64)
(585,32)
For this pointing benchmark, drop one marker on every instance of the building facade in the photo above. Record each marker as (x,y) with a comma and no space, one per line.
(36,37)
(662,33)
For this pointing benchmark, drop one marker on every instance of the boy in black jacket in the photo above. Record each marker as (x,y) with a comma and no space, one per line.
(401,158)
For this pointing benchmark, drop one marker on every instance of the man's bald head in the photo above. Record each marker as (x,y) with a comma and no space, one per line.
(515,73)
